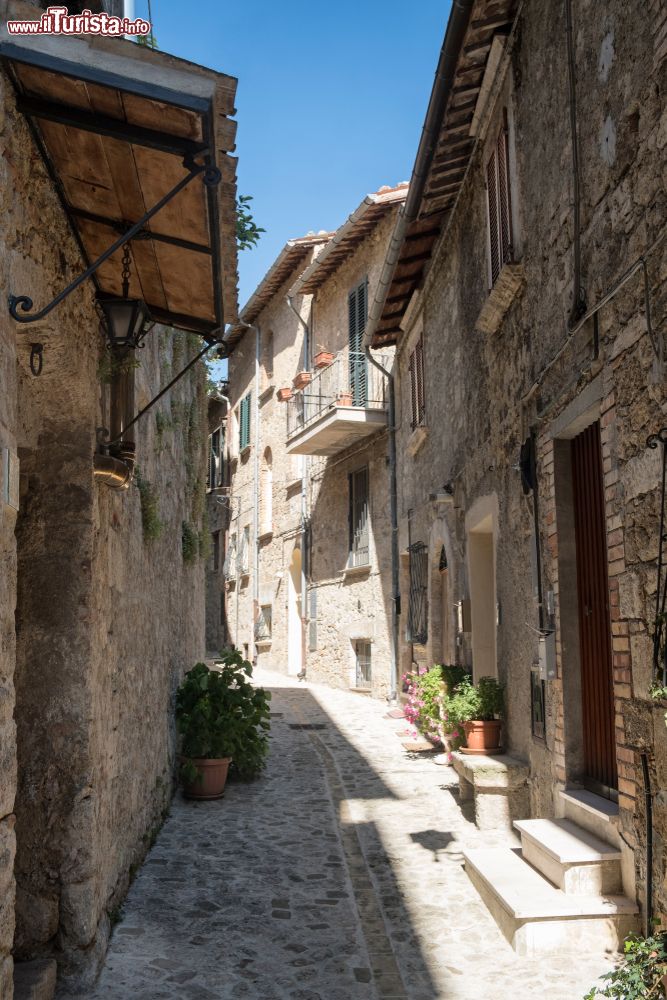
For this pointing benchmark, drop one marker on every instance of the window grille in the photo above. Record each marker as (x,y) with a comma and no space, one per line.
(244,422)
(537,704)
(359,554)
(243,563)
(417,398)
(499,204)
(357,303)
(264,623)
(229,566)
(312,621)
(417,627)
(362,650)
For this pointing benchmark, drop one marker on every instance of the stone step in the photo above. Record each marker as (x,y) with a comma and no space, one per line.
(597,815)
(35,980)
(574,859)
(534,916)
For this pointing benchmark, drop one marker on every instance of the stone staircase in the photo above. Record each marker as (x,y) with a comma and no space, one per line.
(563,889)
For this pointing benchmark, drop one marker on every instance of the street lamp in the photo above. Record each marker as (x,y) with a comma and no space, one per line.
(127,320)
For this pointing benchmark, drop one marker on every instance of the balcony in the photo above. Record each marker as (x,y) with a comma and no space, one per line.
(344,403)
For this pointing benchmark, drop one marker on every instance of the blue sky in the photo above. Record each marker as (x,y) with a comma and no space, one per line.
(330,102)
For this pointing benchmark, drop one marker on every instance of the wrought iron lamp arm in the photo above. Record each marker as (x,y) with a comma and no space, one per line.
(211,178)
(101,435)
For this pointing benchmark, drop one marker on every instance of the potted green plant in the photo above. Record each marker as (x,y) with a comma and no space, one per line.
(479,710)
(223,721)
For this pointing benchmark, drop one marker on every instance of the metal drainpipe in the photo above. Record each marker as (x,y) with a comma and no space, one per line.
(393,513)
(255,516)
(305,469)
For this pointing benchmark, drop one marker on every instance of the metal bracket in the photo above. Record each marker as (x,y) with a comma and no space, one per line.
(211,177)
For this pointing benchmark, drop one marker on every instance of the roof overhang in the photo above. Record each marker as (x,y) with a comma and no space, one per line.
(293,254)
(357,227)
(115,122)
(449,139)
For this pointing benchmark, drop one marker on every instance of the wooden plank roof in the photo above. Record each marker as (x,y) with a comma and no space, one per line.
(445,172)
(115,122)
(293,254)
(357,227)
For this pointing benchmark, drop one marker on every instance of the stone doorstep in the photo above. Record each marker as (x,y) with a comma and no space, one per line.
(35,980)
(597,815)
(572,858)
(534,916)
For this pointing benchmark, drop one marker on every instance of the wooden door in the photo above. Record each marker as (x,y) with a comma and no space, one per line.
(597,694)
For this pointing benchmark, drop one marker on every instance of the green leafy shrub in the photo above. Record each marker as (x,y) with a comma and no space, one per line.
(452,676)
(219,713)
(189,542)
(151,522)
(640,976)
(491,699)
(481,703)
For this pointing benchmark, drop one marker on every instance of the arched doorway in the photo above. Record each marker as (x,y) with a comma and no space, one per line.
(294,619)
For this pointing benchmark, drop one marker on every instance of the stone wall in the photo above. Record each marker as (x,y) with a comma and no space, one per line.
(486,391)
(106,619)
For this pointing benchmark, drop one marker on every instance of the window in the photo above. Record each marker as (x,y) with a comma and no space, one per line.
(267,357)
(417,629)
(215,475)
(215,538)
(244,422)
(264,623)
(358,517)
(416,371)
(362,651)
(229,567)
(244,551)
(499,204)
(357,304)
(266,499)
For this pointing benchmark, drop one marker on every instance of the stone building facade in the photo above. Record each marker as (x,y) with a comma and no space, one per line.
(101,590)
(527,493)
(315,466)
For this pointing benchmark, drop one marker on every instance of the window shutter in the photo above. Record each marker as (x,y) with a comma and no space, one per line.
(413,391)
(504,194)
(244,422)
(357,302)
(492,196)
(419,379)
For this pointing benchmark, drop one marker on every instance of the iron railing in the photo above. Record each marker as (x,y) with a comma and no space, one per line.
(349,381)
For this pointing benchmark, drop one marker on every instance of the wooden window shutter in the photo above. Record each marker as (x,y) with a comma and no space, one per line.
(504,202)
(244,422)
(494,230)
(419,378)
(413,390)
(352,319)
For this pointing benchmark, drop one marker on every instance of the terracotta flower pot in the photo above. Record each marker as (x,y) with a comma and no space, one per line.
(211,780)
(344,399)
(301,380)
(481,736)
(323,359)
(285,394)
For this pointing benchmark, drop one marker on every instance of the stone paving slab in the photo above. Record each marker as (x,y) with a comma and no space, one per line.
(337,876)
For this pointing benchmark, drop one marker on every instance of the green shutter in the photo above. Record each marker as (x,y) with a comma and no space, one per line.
(244,422)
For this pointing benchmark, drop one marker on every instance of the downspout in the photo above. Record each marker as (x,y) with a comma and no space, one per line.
(305,469)
(393,514)
(255,516)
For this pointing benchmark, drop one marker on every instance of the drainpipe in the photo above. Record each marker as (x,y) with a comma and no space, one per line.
(114,472)
(304,486)
(255,516)
(393,513)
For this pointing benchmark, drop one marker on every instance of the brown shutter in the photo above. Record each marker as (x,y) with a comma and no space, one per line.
(492,196)
(413,389)
(419,365)
(504,203)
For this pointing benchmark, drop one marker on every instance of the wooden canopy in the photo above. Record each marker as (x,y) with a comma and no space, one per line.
(448,163)
(116,124)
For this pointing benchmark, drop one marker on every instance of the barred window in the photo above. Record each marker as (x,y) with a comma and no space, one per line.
(417,626)
(362,650)
(417,398)
(359,554)
(499,204)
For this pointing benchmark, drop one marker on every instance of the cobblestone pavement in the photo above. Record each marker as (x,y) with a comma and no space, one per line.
(338,875)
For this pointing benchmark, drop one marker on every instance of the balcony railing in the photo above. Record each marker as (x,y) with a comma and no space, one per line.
(350,381)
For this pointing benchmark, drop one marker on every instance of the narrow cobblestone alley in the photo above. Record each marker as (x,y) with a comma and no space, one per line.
(336,876)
